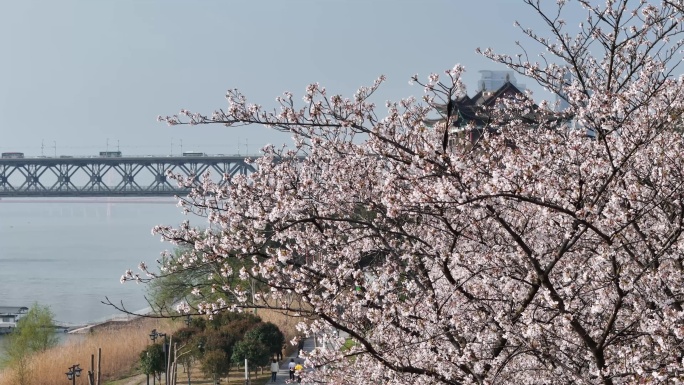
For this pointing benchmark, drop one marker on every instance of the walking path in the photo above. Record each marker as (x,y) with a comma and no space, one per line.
(281,379)
(284,374)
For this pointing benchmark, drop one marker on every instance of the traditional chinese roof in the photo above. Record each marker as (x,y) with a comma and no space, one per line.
(475,110)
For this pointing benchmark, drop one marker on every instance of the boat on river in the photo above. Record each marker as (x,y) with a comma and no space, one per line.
(9,316)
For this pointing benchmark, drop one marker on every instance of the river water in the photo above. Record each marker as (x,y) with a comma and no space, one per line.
(70,253)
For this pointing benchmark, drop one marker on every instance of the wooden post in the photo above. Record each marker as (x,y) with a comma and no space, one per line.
(91,372)
(99,362)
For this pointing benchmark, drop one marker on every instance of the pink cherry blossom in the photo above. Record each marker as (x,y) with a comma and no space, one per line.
(549,251)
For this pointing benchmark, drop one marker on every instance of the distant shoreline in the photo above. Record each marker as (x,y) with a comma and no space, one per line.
(118,319)
(115,323)
(169,200)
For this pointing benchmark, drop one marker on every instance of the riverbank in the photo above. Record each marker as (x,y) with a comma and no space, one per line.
(120,344)
(121,340)
(113,323)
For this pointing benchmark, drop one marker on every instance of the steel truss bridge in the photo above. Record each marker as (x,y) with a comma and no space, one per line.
(110,177)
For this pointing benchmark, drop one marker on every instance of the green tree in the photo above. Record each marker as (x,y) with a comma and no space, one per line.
(215,364)
(240,325)
(35,332)
(255,352)
(219,334)
(232,319)
(223,340)
(17,357)
(37,328)
(269,335)
(177,282)
(184,335)
(174,285)
(152,359)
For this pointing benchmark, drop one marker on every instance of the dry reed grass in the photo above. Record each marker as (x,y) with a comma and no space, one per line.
(121,345)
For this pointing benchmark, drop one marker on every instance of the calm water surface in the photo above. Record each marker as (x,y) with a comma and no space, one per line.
(69,254)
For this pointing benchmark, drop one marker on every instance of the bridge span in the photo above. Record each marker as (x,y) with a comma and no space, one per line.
(109,177)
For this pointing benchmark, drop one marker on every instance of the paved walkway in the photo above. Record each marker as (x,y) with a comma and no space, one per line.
(284,374)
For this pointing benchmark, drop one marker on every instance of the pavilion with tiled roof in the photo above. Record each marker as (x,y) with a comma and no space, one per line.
(473,115)
(475,109)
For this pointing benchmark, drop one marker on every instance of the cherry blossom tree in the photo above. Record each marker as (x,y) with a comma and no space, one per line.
(537,255)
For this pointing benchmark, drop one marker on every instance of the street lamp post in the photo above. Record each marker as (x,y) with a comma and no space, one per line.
(74,371)
(153,336)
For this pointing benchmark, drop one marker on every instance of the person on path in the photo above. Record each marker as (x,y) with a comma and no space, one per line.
(298,370)
(274,370)
(291,367)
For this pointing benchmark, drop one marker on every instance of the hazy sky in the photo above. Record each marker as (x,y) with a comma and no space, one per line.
(90,75)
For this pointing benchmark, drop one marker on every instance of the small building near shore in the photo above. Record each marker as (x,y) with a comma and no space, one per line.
(9,316)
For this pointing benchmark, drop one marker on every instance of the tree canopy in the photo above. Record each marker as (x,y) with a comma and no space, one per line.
(152,360)
(228,336)
(176,283)
(549,251)
(35,332)
(252,350)
(269,335)
(215,364)
(36,329)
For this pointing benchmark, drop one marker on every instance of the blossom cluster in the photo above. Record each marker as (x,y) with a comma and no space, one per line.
(549,251)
